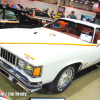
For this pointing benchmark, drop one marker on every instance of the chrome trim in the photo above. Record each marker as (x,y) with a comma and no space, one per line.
(20,80)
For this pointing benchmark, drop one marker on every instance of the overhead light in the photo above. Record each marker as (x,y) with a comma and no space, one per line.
(81,2)
(92,2)
(85,3)
(76,1)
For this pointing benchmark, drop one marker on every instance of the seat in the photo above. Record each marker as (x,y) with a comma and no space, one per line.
(72,28)
(97,37)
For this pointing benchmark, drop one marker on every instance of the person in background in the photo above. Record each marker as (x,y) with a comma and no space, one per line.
(46,11)
(14,6)
(8,4)
(51,14)
(73,16)
(63,15)
(26,8)
(43,10)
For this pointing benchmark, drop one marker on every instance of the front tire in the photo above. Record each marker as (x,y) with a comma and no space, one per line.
(63,80)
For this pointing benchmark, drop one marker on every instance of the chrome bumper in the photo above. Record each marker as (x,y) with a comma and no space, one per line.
(17,78)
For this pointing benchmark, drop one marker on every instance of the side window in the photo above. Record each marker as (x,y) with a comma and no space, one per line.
(1,13)
(9,15)
(97,35)
(86,32)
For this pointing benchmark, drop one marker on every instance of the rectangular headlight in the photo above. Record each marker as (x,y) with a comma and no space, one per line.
(21,63)
(34,71)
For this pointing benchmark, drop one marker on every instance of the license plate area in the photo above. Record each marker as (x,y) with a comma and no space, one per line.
(4,73)
(44,21)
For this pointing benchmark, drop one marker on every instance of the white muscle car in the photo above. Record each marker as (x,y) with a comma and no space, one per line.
(49,55)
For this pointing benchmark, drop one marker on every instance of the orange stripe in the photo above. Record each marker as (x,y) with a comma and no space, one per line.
(48,43)
(9,21)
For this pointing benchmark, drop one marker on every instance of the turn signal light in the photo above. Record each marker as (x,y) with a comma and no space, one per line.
(37,71)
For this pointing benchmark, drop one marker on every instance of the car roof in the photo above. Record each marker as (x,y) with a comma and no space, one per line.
(82,22)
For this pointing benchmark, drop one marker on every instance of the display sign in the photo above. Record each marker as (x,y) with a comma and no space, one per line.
(47,98)
(44,21)
(61,9)
(87,18)
(86,37)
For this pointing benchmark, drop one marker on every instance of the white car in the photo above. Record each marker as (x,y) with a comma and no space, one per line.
(49,55)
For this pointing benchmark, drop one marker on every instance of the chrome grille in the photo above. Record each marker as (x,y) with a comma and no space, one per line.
(9,56)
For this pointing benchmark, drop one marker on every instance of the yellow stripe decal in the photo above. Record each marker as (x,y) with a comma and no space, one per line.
(48,43)
(85,63)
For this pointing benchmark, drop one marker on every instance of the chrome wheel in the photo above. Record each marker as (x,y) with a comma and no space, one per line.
(65,78)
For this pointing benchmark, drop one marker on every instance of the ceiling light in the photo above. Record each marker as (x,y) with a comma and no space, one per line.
(92,2)
(76,1)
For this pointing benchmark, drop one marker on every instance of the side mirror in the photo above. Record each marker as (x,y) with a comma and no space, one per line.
(98,41)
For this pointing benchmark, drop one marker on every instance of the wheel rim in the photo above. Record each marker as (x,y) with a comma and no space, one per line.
(65,78)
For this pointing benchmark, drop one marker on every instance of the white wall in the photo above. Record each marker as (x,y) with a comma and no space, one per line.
(42,5)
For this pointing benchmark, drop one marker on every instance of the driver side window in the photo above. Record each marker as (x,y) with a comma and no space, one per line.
(97,35)
(10,15)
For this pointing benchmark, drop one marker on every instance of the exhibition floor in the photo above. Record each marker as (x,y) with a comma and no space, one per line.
(86,87)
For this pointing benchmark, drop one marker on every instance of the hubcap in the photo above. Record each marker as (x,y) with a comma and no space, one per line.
(65,78)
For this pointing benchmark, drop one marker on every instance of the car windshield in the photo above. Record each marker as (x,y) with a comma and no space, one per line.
(77,30)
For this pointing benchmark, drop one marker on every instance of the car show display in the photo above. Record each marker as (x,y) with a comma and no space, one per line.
(49,55)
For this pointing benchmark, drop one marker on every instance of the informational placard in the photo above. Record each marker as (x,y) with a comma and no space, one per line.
(47,99)
(61,9)
(85,37)
(44,21)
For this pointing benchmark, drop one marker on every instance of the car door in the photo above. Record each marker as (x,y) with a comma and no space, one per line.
(8,19)
(95,51)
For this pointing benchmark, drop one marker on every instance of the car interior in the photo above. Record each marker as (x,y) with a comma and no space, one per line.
(73,29)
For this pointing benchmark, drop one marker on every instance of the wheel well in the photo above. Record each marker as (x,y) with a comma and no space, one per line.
(77,65)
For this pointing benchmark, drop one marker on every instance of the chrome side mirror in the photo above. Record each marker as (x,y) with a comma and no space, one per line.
(98,42)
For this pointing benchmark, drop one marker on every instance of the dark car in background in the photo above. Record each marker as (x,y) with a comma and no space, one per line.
(14,18)
(40,16)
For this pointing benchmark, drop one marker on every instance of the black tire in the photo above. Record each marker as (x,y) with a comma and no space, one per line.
(55,87)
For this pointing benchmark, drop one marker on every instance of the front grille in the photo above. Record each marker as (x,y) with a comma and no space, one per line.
(9,56)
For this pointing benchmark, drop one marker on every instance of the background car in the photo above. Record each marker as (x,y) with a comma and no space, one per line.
(11,17)
(40,16)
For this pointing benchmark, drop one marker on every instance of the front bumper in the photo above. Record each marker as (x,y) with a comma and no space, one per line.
(16,77)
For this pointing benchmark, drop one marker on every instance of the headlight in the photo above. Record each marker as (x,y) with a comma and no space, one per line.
(34,71)
(21,63)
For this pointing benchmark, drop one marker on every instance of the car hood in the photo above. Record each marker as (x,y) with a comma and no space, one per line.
(44,42)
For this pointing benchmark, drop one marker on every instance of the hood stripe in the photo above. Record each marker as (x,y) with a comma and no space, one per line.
(49,43)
